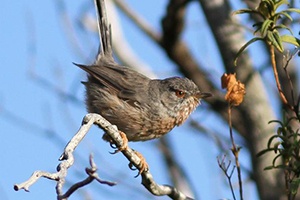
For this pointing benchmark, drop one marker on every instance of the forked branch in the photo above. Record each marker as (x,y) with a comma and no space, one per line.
(67,160)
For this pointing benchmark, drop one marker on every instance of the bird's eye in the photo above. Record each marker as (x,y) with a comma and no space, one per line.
(180,93)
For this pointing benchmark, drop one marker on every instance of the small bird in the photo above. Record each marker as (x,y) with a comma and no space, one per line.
(141,107)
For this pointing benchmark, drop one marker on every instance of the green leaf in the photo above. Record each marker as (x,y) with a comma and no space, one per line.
(285,14)
(243,11)
(292,10)
(244,47)
(280,166)
(277,121)
(281,26)
(267,25)
(264,9)
(274,162)
(268,168)
(274,38)
(278,40)
(271,140)
(270,5)
(258,25)
(262,152)
(279,3)
(290,39)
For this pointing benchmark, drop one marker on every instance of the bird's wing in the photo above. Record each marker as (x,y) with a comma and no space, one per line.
(126,83)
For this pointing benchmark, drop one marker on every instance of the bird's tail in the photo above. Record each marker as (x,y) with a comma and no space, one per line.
(104,29)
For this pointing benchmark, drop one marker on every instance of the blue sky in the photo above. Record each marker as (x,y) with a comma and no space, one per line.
(36,122)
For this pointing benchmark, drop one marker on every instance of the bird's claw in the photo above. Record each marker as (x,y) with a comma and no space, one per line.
(143,165)
(121,148)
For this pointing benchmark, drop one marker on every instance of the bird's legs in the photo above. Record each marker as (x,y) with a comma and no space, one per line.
(143,165)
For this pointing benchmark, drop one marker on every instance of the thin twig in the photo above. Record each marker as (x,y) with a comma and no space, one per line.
(92,175)
(273,62)
(289,78)
(225,170)
(235,150)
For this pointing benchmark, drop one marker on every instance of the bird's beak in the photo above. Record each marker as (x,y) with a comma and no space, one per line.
(203,95)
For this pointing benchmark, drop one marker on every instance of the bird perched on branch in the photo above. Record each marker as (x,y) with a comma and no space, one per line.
(141,107)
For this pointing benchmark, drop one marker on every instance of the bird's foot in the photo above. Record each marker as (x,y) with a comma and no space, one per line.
(143,165)
(124,145)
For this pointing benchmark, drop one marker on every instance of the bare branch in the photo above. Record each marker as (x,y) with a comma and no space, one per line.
(67,159)
(160,190)
(34,177)
(92,175)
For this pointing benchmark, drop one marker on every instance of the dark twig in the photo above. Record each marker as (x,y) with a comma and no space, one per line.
(225,168)
(287,61)
(235,150)
(92,175)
